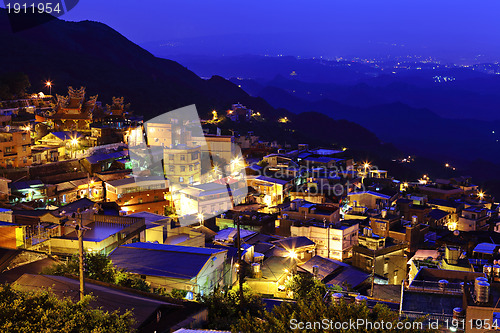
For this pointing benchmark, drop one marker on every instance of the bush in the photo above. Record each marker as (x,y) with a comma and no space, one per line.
(43,312)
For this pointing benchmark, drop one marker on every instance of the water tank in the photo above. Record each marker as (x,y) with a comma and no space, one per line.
(482,291)
(337,297)
(457,313)
(315,270)
(487,269)
(480,279)
(442,284)
(384,213)
(256,270)
(360,299)
(496,270)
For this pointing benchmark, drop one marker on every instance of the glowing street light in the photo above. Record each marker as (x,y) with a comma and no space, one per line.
(480,194)
(292,254)
(49,85)
(200,218)
(74,143)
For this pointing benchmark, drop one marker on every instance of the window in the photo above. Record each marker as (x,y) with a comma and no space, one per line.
(181,179)
(24,136)
(183,157)
(171,156)
(24,148)
(190,168)
(194,156)
(156,198)
(140,200)
(191,180)
(171,168)
(183,168)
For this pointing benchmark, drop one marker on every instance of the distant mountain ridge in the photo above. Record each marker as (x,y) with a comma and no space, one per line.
(96,56)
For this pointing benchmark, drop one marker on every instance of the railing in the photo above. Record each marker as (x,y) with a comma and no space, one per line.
(435,287)
(442,317)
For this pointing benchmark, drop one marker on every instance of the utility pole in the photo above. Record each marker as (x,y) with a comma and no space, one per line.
(80,251)
(238,244)
(240,268)
(373,273)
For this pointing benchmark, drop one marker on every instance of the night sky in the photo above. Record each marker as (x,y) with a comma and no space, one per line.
(324,27)
(444,28)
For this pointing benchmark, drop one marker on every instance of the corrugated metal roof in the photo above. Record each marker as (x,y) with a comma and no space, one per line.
(487,248)
(291,243)
(96,158)
(162,260)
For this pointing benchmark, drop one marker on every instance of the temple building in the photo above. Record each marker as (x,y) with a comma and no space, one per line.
(72,112)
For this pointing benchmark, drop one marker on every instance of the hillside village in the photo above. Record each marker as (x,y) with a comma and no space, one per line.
(189,208)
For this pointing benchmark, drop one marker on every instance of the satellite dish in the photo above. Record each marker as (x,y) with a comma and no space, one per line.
(456,232)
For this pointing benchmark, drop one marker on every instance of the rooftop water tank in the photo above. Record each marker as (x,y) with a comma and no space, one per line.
(337,297)
(360,299)
(482,291)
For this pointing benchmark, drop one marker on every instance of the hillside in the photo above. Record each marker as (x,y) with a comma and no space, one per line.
(94,55)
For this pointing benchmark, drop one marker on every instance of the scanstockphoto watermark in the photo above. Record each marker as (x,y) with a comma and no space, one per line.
(355,324)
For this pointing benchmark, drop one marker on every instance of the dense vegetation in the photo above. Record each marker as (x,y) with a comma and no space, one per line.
(22,311)
(99,267)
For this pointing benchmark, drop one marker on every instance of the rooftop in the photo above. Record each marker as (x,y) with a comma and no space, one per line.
(183,262)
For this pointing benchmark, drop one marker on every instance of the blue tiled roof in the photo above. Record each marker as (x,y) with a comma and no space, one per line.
(96,158)
(173,248)
(66,135)
(183,262)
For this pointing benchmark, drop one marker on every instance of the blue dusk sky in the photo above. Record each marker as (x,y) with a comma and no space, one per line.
(312,27)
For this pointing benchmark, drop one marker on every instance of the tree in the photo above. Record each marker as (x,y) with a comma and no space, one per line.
(224,308)
(14,85)
(128,280)
(98,267)
(306,287)
(22,311)
(283,318)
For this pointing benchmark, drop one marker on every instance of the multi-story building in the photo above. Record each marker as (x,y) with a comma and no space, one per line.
(211,199)
(159,134)
(221,147)
(472,219)
(183,164)
(15,148)
(139,195)
(373,254)
(321,224)
(273,191)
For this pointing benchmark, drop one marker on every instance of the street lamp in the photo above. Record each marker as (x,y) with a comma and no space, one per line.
(74,143)
(200,218)
(49,85)
(480,195)
(293,255)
